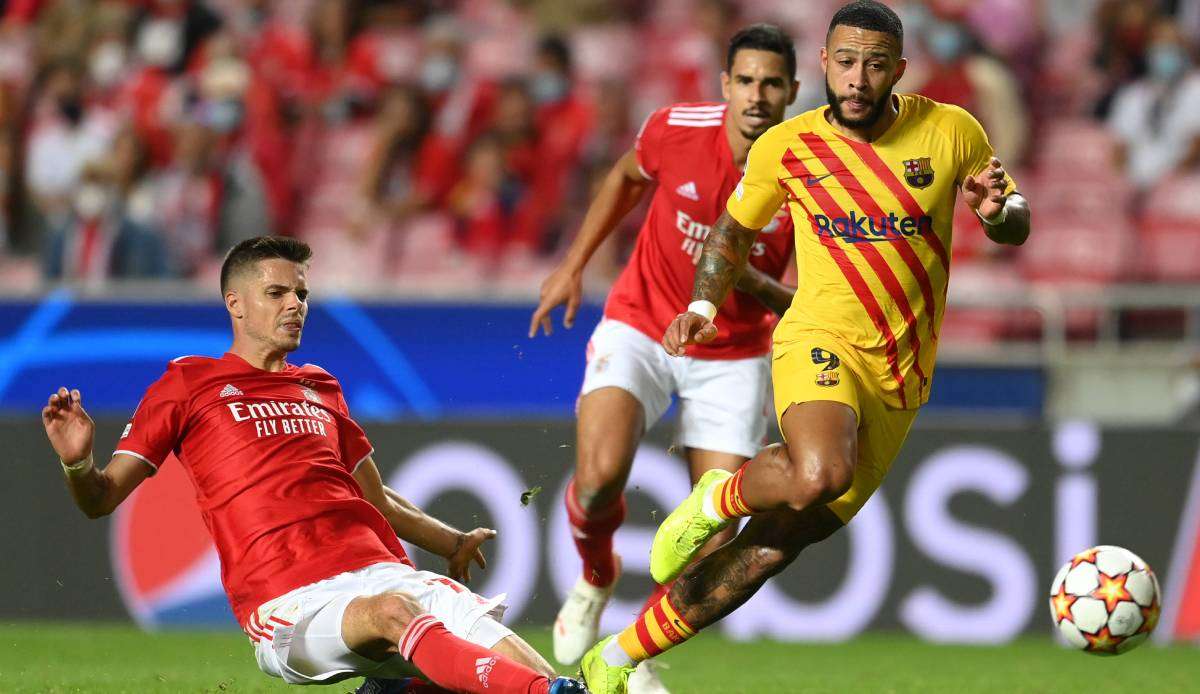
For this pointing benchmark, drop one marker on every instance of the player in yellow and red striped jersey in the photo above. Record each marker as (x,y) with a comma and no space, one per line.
(870,181)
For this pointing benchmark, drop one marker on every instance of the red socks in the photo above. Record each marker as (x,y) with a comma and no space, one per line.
(461,666)
(593,532)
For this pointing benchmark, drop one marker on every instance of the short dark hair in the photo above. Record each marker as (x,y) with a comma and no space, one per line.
(251,251)
(555,47)
(869,15)
(763,37)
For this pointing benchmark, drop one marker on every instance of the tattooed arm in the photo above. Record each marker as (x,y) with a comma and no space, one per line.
(721,264)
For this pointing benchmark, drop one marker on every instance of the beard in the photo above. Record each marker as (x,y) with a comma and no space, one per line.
(753,135)
(870,119)
(276,341)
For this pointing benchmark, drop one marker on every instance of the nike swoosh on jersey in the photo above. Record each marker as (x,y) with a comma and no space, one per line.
(814,180)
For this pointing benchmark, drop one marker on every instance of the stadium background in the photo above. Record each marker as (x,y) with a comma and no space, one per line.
(438,156)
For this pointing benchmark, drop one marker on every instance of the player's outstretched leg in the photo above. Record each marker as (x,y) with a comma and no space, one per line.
(815,468)
(707,591)
(379,627)
(611,421)
(416,685)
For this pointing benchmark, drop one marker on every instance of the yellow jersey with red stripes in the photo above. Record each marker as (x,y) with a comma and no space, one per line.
(873,225)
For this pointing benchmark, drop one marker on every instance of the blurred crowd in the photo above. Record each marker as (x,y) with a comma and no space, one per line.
(456,142)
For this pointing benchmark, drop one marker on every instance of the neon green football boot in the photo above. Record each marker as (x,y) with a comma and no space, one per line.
(685,531)
(599,676)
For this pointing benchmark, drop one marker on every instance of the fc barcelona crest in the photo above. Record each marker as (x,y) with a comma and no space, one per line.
(827,378)
(918,172)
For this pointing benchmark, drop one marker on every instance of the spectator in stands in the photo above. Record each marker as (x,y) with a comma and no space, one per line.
(562,120)
(481,203)
(152,94)
(241,110)
(514,126)
(104,51)
(409,168)
(189,195)
(1157,118)
(99,239)
(961,72)
(65,138)
(318,66)
(127,166)
(1123,28)
(388,49)
(462,101)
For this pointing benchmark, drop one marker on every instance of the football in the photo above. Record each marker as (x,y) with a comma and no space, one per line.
(1105,601)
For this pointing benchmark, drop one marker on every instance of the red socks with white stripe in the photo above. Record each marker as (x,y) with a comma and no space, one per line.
(592,530)
(461,666)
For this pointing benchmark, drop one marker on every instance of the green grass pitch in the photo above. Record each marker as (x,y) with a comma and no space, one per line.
(61,658)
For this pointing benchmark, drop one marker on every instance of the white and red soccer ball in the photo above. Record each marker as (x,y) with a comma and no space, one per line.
(1105,601)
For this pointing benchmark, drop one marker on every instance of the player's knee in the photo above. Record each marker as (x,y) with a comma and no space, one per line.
(818,478)
(393,612)
(763,562)
(597,482)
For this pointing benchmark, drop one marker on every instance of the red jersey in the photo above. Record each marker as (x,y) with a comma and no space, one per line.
(685,149)
(271,456)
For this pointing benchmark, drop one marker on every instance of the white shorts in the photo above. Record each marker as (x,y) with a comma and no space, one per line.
(298,636)
(723,402)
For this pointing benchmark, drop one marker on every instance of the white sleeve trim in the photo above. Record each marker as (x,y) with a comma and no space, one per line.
(139,456)
(642,171)
(361,461)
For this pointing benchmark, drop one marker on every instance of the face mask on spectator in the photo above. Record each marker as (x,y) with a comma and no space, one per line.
(1166,61)
(71,109)
(160,42)
(946,42)
(335,110)
(548,87)
(90,201)
(225,116)
(439,73)
(107,64)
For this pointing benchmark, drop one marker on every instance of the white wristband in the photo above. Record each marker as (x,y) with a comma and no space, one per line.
(79,468)
(998,219)
(703,308)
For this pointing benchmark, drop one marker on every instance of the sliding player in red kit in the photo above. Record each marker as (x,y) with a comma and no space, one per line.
(304,527)
(695,154)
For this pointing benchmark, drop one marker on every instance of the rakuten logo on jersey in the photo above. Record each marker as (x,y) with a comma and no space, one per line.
(867,229)
(694,234)
(278,417)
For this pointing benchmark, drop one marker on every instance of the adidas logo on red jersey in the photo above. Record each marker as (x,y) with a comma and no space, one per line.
(229,390)
(688,190)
